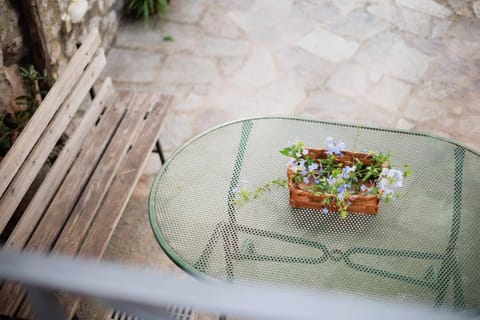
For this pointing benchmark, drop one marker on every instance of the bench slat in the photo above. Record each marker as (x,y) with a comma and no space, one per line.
(35,160)
(62,204)
(125,181)
(86,208)
(35,127)
(55,176)
(77,178)
(122,187)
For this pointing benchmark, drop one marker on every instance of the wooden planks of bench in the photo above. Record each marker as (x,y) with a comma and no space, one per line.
(78,204)
(97,187)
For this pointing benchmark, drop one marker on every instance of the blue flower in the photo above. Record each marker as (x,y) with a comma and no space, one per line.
(313,166)
(390,179)
(334,147)
(306,180)
(291,162)
(324,210)
(331,180)
(346,171)
(342,188)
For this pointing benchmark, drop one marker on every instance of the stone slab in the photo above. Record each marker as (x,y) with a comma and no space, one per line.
(135,36)
(272,9)
(359,25)
(404,18)
(405,62)
(384,10)
(170,135)
(186,11)
(190,103)
(328,106)
(220,47)
(216,23)
(135,66)
(350,80)
(440,29)
(420,110)
(271,31)
(303,68)
(187,69)
(412,21)
(328,45)
(280,98)
(405,124)
(476,8)
(347,6)
(377,48)
(257,71)
(319,11)
(229,65)
(390,94)
(426,6)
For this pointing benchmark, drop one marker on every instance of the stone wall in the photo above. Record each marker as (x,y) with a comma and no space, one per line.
(12,51)
(101,14)
(61,42)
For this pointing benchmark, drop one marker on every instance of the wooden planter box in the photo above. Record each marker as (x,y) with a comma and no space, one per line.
(363,204)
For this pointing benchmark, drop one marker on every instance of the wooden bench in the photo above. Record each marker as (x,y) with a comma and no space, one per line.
(78,203)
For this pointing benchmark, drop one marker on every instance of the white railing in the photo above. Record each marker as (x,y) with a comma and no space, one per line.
(146,293)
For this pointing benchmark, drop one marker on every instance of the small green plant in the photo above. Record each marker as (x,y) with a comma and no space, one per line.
(338,181)
(12,124)
(32,83)
(147,8)
(168,38)
(244,195)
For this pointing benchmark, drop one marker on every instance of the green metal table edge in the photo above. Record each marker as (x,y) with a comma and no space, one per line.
(170,252)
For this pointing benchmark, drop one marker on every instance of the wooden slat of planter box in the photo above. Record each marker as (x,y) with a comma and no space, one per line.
(35,127)
(32,165)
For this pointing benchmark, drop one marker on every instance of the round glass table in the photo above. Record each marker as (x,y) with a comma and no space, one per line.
(422,247)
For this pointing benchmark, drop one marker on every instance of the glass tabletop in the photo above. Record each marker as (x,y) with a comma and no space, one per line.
(421,247)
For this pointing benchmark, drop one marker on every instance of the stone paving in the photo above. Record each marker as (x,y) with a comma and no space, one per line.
(409,64)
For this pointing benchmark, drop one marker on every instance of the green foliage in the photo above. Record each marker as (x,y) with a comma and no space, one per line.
(32,82)
(12,124)
(244,195)
(147,8)
(168,38)
(338,177)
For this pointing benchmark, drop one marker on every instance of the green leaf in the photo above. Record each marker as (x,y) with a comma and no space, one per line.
(407,170)
(280,183)
(168,38)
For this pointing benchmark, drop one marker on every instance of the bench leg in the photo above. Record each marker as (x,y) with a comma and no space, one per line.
(158,149)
